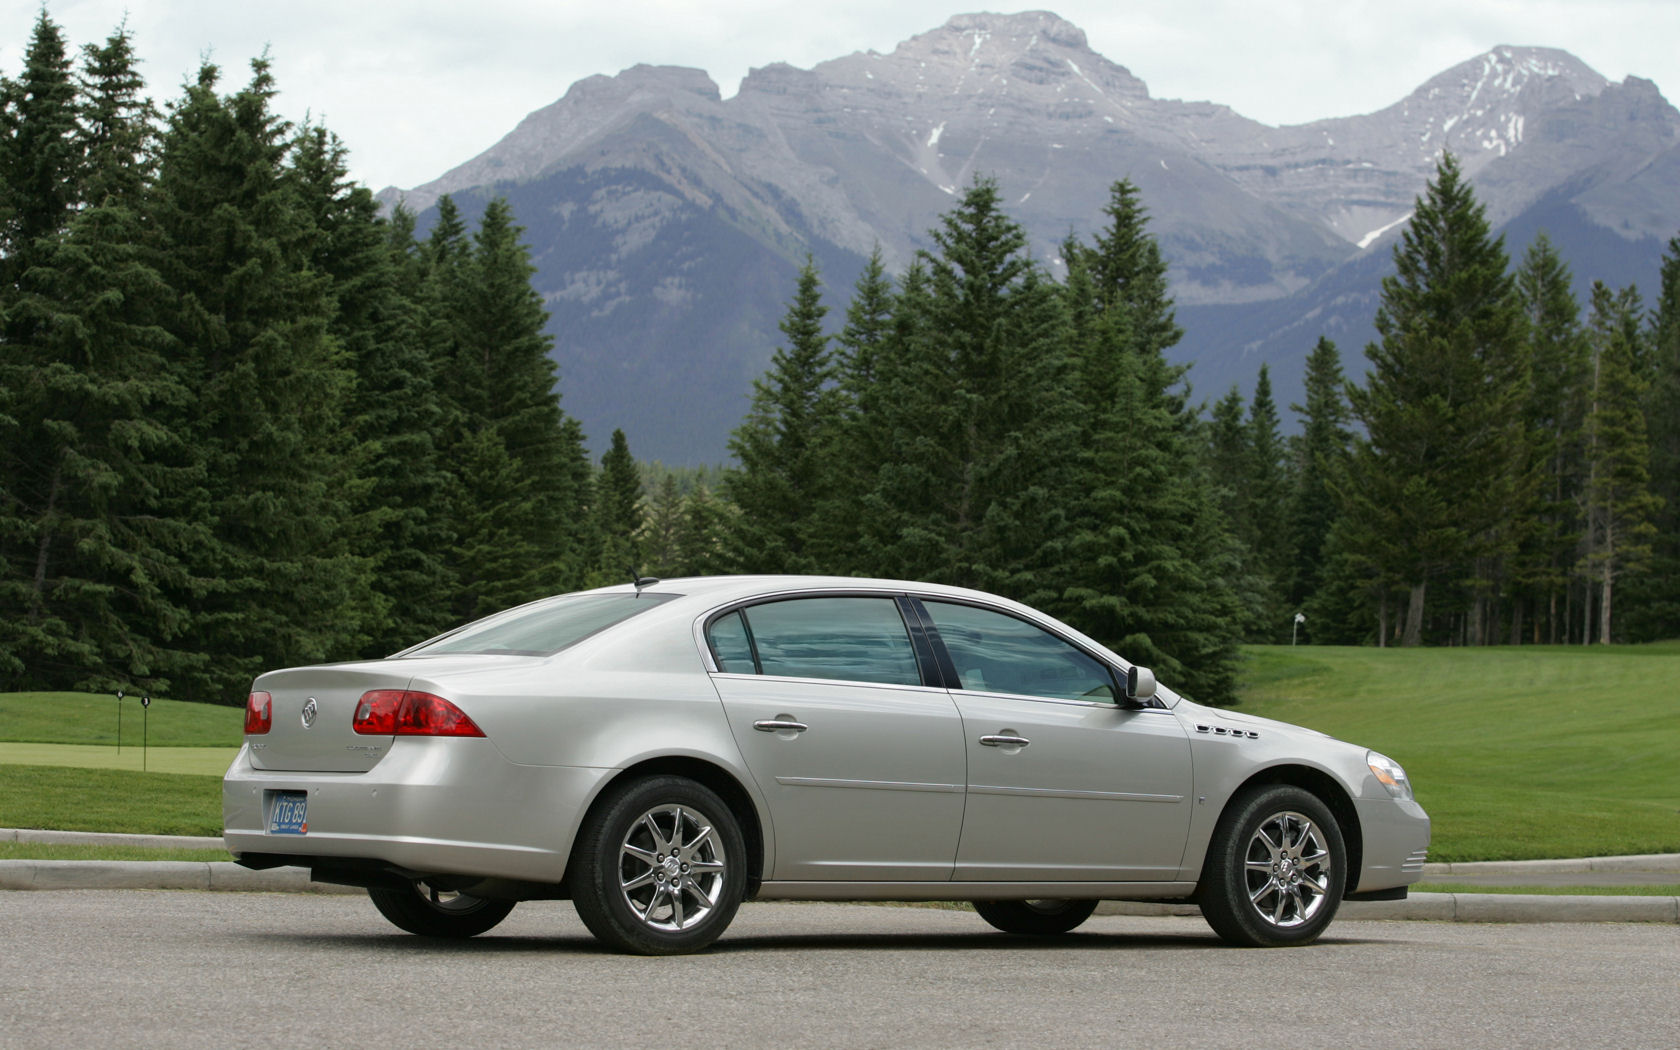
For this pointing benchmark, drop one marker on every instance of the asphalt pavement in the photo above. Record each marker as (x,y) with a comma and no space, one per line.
(226,971)
(1649,869)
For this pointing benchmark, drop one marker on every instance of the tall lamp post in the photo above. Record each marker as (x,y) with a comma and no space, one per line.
(1300,618)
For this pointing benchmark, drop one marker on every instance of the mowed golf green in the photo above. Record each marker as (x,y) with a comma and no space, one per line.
(60,766)
(1516,753)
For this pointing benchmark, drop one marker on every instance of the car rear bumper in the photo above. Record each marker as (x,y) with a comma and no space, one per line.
(1396,841)
(431,805)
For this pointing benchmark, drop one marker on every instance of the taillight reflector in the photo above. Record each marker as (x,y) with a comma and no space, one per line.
(259,714)
(407,712)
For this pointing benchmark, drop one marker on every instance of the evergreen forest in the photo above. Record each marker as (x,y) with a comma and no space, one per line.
(248,421)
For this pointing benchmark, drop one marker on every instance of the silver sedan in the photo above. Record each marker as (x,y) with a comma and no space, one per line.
(658,753)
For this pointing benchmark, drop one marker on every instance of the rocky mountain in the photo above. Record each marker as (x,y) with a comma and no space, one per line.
(668,222)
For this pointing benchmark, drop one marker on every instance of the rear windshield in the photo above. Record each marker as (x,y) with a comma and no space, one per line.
(543,629)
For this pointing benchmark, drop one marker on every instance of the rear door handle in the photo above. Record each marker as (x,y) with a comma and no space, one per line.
(780,725)
(1004,740)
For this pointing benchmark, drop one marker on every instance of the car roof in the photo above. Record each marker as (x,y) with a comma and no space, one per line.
(730,588)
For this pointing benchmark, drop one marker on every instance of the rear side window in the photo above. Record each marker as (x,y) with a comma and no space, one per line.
(848,639)
(545,628)
(728,636)
(997,653)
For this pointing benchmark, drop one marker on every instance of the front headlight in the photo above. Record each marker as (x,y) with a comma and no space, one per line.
(1389,772)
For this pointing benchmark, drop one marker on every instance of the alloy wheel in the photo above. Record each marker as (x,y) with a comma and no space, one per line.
(1287,869)
(671,868)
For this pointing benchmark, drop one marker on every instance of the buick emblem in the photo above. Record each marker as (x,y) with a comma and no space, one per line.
(310,710)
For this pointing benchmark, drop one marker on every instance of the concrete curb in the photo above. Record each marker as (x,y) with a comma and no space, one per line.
(102,838)
(1635,862)
(1468,907)
(157,875)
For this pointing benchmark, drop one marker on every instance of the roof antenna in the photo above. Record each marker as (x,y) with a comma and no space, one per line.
(642,581)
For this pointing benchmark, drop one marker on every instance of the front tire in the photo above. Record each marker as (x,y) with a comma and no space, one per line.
(1041,918)
(427,911)
(1275,870)
(659,867)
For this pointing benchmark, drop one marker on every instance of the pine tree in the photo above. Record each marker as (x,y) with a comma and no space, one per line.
(1651,608)
(618,515)
(398,517)
(1555,414)
(1229,455)
(1127,270)
(1446,465)
(869,334)
(1620,504)
(40,162)
(661,529)
(974,413)
(705,524)
(1271,553)
(281,581)
(90,559)
(500,391)
(1318,586)
(1148,563)
(785,444)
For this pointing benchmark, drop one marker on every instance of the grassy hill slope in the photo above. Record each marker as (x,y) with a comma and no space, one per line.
(1516,753)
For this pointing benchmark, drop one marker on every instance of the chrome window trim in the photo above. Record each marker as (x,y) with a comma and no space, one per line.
(850,683)
(1110,705)
(1089,646)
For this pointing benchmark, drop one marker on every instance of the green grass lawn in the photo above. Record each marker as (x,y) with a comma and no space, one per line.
(58,851)
(109,800)
(88,718)
(1517,753)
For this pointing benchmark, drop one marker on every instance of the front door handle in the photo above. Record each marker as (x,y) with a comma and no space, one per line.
(780,725)
(1004,740)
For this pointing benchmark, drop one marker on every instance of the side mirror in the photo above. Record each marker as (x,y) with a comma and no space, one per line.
(1140,683)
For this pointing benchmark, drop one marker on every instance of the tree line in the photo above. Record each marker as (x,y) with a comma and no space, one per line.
(1507,472)
(246,422)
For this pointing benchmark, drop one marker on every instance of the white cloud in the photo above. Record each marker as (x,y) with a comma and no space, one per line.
(415,87)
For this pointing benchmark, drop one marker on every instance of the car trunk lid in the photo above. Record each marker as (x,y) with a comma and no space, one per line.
(313,709)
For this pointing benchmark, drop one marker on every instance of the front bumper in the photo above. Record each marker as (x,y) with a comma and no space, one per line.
(431,805)
(1396,841)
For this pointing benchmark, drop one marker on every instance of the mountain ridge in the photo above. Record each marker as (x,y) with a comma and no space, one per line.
(629,184)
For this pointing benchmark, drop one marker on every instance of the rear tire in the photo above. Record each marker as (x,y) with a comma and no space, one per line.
(428,912)
(659,867)
(1275,870)
(1039,918)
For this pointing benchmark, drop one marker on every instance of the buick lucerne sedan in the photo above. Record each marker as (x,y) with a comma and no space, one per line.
(658,753)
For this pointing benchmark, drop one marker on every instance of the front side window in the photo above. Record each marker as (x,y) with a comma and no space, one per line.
(997,653)
(850,639)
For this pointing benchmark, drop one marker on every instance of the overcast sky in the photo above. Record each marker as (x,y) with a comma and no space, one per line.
(415,87)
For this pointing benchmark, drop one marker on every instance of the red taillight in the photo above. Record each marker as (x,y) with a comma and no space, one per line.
(259,714)
(376,712)
(405,712)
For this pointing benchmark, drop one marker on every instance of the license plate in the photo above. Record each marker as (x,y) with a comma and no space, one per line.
(289,814)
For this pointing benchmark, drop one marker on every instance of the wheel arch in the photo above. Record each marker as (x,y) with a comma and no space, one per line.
(1328,790)
(714,777)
